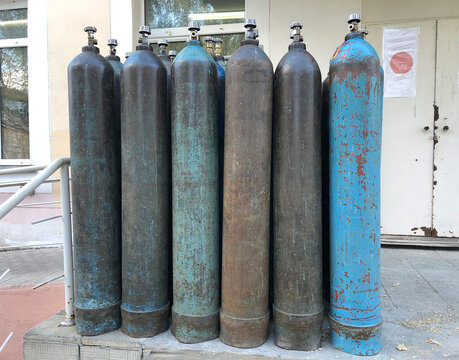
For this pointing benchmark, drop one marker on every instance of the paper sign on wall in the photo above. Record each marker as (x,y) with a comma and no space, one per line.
(399,62)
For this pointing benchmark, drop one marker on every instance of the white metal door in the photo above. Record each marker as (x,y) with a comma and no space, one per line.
(407,142)
(446,150)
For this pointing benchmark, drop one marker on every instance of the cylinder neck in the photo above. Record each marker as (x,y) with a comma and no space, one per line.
(91,48)
(354,35)
(162,50)
(113,58)
(297,45)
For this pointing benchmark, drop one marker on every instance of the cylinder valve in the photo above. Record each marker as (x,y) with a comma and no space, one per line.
(193,27)
(163,44)
(250,25)
(209,45)
(218,46)
(91,30)
(172,54)
(295,34)
(353,21)
(144,31)
(112,43)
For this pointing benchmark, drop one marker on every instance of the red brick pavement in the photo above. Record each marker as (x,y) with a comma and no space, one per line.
(21,308)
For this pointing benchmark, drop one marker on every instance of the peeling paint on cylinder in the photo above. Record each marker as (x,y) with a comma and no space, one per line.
(145,194)
(355,157)
(95,193)
(297,193)
(244,315)
(196,248)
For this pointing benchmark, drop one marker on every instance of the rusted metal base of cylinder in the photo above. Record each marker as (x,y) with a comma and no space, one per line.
(141,324)
(194,329)
(244,333)
(298,332)
(92,322)
(357,340)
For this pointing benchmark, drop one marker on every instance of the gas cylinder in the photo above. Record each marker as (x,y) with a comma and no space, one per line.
(195,193)
(172,55)
(355,155)
(325,190)
(145,157)
(114,61)
(244,315)
(210,43)
(297,197)
(162,44)
(95,191)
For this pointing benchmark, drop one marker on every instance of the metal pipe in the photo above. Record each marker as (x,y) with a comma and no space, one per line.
(45,219)
(29,188)
(4,274)
(68,250)
(48,281)
(23,182)
(6,341)
(39,203)
(22,169)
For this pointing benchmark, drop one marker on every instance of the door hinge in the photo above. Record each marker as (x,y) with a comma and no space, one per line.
(436,114)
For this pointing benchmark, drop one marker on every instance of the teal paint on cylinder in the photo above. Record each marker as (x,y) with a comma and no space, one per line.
(195,195)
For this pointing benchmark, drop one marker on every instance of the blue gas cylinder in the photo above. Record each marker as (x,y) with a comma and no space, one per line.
(355,119)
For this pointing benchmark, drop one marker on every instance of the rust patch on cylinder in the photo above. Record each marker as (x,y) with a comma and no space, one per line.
(356,333)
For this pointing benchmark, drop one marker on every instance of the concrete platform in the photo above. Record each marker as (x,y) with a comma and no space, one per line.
(420,306)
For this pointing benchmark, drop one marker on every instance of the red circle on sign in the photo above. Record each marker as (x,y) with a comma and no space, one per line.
(401,63)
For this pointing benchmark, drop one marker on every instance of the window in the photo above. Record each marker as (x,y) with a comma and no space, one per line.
(222,18)
(14,102)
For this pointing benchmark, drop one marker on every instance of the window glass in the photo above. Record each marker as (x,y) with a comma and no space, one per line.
(14,105)
(13,24)
(176,13)
(230,43)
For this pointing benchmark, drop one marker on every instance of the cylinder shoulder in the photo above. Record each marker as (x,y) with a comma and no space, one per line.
(142,59)
(251,54)
(116,65)
(297,61)
(355,50)
(87,58)
(192,53)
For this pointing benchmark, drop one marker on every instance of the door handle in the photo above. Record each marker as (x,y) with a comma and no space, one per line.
(445,128)
(426,128)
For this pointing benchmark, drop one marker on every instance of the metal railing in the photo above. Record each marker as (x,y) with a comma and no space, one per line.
(29,187)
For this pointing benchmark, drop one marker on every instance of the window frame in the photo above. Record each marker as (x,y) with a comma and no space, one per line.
(179,34)
(14,43)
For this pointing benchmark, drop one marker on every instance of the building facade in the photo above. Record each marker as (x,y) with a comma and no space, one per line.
(420,128)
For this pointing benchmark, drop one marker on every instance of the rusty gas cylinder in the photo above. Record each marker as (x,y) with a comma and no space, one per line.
(355,120)
(244,315)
